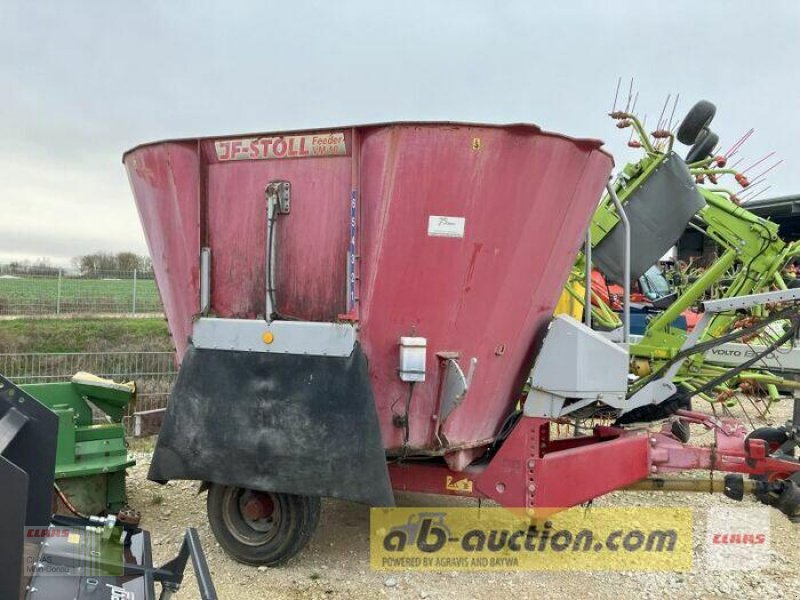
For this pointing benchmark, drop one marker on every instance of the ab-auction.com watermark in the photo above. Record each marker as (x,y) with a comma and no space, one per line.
(625,539)
(644,539)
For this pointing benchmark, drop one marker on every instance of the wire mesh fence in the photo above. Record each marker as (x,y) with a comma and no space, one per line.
(153,372)
(53,291)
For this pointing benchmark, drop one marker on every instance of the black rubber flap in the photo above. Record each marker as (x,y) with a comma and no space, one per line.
(28,434)
(275,422)
(12,527)
(659,211)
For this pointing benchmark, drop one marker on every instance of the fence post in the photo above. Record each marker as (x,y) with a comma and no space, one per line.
(58,294)
(134,292)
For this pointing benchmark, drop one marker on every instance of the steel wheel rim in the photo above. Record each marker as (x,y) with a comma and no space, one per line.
(243,526)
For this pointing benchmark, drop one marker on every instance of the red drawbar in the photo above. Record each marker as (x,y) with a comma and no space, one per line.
(532,471)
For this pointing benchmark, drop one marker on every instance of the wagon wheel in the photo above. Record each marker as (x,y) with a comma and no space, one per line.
(696,120)
(703,148)
(681,431)
(261,528)
(775,437)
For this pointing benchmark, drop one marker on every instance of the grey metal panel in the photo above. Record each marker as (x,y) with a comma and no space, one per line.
(782,360)
(576,362)
(750,300)
(659,211)
(288,337)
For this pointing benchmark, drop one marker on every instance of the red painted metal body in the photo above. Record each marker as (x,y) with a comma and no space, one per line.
(532,471)
(483,292)
(525,198)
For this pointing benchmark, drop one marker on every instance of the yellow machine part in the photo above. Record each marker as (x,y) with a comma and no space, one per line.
(641,367)
(568,304)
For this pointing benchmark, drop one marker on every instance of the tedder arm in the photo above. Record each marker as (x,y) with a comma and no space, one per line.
(750,244)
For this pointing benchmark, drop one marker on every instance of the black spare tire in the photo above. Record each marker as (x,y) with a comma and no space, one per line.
(703,148)
(696,120)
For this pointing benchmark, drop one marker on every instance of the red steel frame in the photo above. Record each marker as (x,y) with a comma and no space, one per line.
(530,470)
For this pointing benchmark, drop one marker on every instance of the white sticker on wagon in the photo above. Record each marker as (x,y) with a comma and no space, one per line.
(282,146)
(446,226)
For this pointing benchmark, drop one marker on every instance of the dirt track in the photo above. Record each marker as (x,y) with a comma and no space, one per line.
(336,563)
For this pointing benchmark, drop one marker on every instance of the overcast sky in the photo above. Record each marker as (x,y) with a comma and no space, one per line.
(81,82)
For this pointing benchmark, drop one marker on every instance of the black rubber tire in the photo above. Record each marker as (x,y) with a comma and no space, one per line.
(703,148)
(774,436)
(681,431)
(294,518)
(696,120)
(656,412)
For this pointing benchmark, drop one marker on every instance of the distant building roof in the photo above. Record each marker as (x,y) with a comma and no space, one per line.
(784,210)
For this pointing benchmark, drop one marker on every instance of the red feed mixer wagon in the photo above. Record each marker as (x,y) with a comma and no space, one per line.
(358,310)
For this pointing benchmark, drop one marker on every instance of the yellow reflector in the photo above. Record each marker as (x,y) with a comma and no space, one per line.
(268,337)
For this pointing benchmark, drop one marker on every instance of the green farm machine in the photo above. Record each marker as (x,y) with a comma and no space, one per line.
(91,456)
(662,195)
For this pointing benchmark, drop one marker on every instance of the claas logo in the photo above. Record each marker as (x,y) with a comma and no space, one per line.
(49,532)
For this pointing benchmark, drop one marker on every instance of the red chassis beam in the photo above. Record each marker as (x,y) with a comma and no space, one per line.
(530,470)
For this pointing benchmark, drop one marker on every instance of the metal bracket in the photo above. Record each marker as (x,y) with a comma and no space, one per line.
(171,573)
(454,387)
(280,193)
(626,284)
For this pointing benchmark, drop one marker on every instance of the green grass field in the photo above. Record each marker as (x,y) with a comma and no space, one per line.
(43,350)
(85,335)
(37,295)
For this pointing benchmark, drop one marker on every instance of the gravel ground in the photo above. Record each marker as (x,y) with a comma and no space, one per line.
(336,563)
